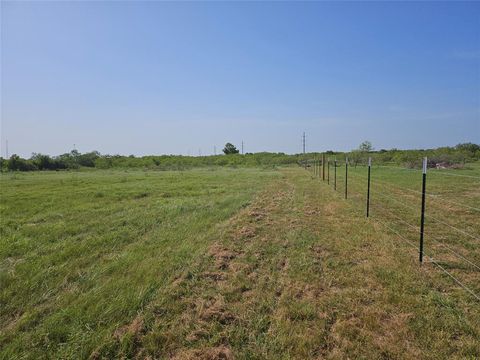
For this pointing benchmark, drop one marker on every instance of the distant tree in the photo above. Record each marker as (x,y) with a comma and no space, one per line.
(42,162)
(365,147)
(230,149)
(87,159)
(468,147)
(355,157)
(17,163)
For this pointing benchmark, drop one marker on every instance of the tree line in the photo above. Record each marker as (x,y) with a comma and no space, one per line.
(446,156)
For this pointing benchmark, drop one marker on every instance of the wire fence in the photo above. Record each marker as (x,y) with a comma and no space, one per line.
(437,214)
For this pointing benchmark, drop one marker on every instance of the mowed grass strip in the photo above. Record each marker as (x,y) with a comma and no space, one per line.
(82,253)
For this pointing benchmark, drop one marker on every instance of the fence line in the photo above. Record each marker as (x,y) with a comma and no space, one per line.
(434,262)
(456,253)
(417,228)
(455,279)
(438,241)
(433,196)
(356,180)
(428,216)
(455,228)
(461,175)
(432,171)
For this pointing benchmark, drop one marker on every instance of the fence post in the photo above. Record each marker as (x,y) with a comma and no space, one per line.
(346,177)
(368,186)
(335,175)
(328,171)
(422,217)
(323,167)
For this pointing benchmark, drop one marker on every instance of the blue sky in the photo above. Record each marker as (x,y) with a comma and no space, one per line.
(153,78)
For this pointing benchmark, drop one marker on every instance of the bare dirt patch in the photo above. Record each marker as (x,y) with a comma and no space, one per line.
(222,256)
(256,214)
(214,353)
(331,208)
(215,310)
(135,328)
(245,232)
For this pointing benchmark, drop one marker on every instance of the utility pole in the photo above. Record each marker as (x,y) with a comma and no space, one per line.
(6,147)
(214,149)
(303,141)
(242,147)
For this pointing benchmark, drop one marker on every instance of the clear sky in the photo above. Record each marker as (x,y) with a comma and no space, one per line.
(154,77)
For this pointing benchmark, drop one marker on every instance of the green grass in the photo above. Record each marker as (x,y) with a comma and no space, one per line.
(246,264)
(83,252)
(452,226)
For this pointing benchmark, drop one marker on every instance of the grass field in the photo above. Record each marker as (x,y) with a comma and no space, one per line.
(245,264)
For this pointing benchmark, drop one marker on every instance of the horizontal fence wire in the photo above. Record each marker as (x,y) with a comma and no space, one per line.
(415,227)
(432,196)
(431,171)
(433,261)
(450,174)
(359,178)
(459,256)
(475,237)
(455,253)
(453,227)
(455,279)
(409,242)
